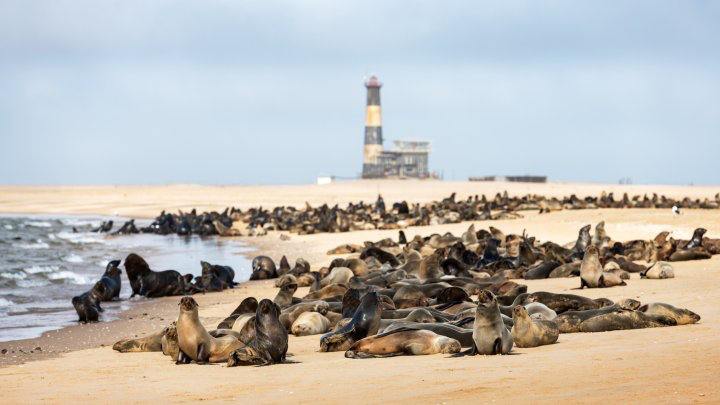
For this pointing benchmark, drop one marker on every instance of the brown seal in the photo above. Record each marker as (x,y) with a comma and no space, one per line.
(403,342)
(528,332)
(194,341)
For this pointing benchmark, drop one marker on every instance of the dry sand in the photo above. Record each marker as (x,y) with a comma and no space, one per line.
(676,364)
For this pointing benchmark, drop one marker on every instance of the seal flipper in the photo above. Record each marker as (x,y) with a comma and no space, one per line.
(202,356)
(472,351)
(497,346)
(583,283)
(182,358)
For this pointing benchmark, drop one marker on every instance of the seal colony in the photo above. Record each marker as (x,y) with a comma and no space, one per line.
(149,283)
(437,295)
(363,216)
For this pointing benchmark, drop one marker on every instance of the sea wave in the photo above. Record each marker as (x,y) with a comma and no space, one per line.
(73,258)
(80,237)
(37,245)
(13,275)
(4,303)
(8,227)
(80,222)
(69,276)
(41,269)
(38,224)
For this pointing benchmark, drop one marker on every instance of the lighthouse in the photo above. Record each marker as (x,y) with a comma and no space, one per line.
(373,131)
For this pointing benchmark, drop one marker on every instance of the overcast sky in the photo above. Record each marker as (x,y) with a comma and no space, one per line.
(251,92)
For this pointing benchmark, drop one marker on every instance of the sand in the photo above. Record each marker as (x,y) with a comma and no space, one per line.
(676,364)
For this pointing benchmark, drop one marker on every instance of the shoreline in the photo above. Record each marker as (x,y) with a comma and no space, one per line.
(144,316)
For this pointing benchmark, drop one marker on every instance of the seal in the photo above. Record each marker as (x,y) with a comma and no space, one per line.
(194,341)
(403,341)
(152,284)
(338,275)
(490,336)
(263,268)
(592,274)
(659,270)
(419,315)
(87,304)
(409,296)
(110,282)
(681,316)
(247,306)
(270,344)
(528,332)
(558,302)
(622,320)
(462,335)
(365,322)
(225,274)
(310,323)
(284,297)
(290,314)
(155,342)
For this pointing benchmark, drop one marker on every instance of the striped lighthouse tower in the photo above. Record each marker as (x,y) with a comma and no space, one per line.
(373,130)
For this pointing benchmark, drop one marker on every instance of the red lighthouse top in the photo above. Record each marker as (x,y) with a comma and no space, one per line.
(373,81)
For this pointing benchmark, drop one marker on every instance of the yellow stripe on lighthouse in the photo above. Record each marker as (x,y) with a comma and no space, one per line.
(373,116)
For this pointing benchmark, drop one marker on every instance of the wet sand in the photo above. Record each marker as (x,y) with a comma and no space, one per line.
(675,364)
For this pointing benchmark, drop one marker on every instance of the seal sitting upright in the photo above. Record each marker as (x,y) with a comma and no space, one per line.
(194,341)
(490,336)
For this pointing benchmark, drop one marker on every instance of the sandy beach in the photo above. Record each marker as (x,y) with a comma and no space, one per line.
(674,364)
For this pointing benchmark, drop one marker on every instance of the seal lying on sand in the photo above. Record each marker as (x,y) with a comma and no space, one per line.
(165,341)
(624,320)
(310,323)
(490,336)
(270,344)
(680,315)
(195,342)
(403,341)
(365,322)
(528,332)
(462,335)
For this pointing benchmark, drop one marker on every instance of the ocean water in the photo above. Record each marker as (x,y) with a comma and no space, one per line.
(44,262)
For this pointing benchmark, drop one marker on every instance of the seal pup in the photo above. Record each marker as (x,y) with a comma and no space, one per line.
(194,341)
(592,274)
(270,344)
(529,332)
(659,270)
(310,323)
(290,314)
(490,336)
(403,341)
(681,316)
(365,322)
